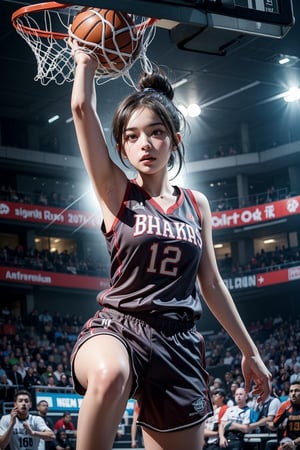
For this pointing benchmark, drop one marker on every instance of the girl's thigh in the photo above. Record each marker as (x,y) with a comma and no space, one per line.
(188,439)
(102,357)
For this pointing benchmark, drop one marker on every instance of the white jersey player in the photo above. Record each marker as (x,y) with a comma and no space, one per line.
(22,430)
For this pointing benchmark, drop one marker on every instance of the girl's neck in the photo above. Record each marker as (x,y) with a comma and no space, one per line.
(161,188)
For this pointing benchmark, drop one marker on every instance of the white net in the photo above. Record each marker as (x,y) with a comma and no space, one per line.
(46,32)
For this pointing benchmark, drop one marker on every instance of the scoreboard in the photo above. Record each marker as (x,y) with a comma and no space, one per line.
(267,11)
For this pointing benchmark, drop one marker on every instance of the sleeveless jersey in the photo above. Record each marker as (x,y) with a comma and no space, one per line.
(288,415)
(155,256)
(20,439)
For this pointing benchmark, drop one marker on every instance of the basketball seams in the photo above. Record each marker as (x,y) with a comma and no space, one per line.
(114,33)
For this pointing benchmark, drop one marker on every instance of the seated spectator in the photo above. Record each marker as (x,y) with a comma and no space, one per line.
(48,373)
(64,381)
(32,378)
(235,421)
(7,390)
(65,423)
(265,413)
(15,377)
(9,328)
(211,433)
(58,372)
(62,441)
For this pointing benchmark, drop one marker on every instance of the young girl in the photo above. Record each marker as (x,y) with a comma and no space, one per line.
(143,342)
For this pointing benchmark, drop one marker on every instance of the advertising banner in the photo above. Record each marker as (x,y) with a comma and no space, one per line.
(83,219)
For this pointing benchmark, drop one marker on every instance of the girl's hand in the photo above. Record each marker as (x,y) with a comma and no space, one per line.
(254,370)
(82,54)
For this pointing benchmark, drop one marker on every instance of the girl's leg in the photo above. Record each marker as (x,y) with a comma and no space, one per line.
(189,439)
(103,367)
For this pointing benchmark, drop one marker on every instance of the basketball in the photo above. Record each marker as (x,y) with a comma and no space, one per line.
(113,32)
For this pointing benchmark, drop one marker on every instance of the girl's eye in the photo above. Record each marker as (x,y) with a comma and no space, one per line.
(158,132)
(130,137)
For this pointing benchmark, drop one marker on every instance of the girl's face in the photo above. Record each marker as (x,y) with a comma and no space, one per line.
(146,142)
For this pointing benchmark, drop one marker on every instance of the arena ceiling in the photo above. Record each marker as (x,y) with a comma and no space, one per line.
(245,85)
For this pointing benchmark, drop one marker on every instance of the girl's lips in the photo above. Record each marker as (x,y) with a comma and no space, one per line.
(147,162)
(146,158)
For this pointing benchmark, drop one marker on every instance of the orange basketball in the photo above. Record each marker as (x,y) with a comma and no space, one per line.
(113,31)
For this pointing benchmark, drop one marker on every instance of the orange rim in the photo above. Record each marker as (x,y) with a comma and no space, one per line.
(52,5)
(37,8)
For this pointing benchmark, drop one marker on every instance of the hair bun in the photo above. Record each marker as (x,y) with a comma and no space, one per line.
(157,81)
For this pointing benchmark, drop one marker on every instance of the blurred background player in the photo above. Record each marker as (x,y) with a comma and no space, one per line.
(20,429)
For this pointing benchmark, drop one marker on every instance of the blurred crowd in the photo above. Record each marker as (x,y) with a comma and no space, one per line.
(71,263)
(35,350)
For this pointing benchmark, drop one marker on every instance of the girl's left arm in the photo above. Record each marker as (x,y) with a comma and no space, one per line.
(221,304)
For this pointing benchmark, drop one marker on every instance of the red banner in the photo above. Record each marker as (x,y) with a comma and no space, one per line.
(64,280)
(263,279)
(51,279)
(220,220)
(278,276)
(43,214)
(256,214)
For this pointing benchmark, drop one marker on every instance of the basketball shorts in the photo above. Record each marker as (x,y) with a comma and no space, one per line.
(170,382)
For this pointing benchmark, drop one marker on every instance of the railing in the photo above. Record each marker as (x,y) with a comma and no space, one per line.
(79,203)
(229,203)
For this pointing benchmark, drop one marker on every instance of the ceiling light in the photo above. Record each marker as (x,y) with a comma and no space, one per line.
(284,60)
(218,245)
(53,118)
(69,120)
(292,95)
(179,83)
(269,241)
(193,110)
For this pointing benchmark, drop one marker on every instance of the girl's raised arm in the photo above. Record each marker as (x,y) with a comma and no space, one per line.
(108,180)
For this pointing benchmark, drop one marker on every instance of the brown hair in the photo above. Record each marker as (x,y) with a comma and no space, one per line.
(156,93)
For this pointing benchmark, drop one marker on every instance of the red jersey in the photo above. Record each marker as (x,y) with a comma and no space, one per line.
(66,426)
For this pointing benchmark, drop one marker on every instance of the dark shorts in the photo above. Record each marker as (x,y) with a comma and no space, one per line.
(168,361)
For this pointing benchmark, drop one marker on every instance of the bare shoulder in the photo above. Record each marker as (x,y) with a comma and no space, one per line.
(202,202)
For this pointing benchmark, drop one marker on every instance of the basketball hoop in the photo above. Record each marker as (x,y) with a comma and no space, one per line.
(46,29)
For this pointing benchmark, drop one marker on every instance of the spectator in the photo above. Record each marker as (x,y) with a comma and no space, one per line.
(228,380)
(42,409)
(58,372)
(296,372)
(211,430)
(48,373)
(265,414)
(62,441)
(230,397)
(235,421)
(65,422)
(228,358)
(7,389)
(15,376)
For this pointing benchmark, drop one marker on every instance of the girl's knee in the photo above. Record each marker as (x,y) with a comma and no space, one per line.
(108,384)
(102,367)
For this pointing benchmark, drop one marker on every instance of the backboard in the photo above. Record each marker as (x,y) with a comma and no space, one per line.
(271,18)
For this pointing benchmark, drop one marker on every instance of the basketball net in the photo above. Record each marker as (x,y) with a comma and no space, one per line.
(46,29)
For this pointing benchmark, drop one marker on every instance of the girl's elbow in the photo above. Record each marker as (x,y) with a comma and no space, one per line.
(77,108)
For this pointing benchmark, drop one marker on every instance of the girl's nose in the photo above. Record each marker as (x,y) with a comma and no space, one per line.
(146,144)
